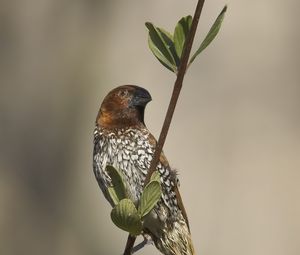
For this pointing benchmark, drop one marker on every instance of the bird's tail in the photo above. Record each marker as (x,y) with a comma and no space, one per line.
(176,240)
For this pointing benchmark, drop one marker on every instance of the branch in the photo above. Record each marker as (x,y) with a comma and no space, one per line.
(171,108)
(176,91)
(129,245)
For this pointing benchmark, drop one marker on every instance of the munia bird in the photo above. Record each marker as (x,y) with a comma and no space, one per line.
(121,139)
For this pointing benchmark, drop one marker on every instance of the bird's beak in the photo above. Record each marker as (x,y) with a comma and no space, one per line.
(141,97)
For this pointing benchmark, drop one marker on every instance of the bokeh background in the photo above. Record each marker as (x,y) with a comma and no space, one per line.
(235,137)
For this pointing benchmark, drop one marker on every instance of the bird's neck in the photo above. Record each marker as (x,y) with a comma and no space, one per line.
(108,120)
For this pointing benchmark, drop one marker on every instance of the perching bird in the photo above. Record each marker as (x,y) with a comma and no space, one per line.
(122,140)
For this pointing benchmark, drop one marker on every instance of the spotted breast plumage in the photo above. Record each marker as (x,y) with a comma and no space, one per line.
(122,140)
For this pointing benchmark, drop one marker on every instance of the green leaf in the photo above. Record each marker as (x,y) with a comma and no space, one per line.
(118,190)
(149,197)
(113,195)
(158,44)
(125,216)
(181,32)
(168,38)
(155,176)
(211,34)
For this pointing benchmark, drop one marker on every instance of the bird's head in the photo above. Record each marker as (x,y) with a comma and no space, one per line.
(124,106)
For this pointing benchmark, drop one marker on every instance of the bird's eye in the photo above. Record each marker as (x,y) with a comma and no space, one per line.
(123,93)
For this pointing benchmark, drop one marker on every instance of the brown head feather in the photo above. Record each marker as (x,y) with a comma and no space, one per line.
(124,106)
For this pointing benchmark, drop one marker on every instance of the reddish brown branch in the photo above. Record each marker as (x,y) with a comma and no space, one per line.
(129,245)
(176,90)
(172,105)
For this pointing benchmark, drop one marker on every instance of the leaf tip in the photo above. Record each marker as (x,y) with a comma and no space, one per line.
(224,9)
(148,24)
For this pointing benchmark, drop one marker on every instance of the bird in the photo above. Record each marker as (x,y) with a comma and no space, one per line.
(122,140)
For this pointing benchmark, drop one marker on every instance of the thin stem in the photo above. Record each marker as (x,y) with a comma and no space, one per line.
(176,90)
(129,245)
(172,105)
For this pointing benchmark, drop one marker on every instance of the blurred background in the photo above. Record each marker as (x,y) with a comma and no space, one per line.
(235,137)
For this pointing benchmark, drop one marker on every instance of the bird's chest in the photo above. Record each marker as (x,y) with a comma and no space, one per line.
(130,152)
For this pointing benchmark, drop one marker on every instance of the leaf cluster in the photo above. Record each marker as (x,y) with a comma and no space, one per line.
(125,214)
(168,48)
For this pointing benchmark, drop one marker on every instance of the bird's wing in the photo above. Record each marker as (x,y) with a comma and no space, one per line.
(181,206)
(172,177)
(164,162)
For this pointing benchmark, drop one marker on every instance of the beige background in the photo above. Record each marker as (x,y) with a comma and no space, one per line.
(235,136)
